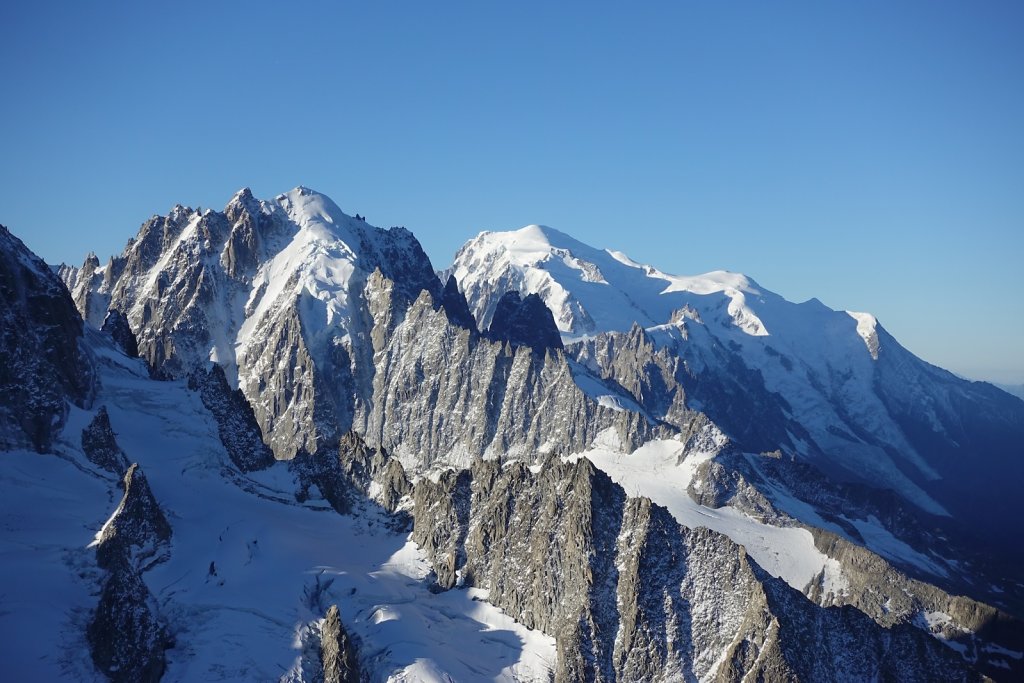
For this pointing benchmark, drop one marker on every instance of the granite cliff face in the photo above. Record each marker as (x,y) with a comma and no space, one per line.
(126,635)
(443,394)
(524,322)
(629,594)
(100,444)
(237,426)
(269,290)
(43,362)
(287,330)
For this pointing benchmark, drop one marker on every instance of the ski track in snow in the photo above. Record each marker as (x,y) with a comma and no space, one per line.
(247,620)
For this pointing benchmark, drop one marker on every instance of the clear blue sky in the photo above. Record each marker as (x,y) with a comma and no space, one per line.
(870,154)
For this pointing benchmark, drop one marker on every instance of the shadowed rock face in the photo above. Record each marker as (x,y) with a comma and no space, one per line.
(126,635)
(525,322)
(629,594)
(456,306)
(116,325)
(100,445)
(42,361)
(351,474)
(336,651)
(126,638)
(236,423)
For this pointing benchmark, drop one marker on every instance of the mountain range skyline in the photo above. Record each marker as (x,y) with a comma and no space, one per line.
(1006,379)
(517,342)
(658,476)
(865,155)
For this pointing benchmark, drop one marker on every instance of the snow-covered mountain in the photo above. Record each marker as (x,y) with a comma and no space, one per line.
(269,290)
(1013,389)
(831,388)
(284,449)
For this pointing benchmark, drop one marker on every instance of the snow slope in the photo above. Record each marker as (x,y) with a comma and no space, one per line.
(590,290)
(654,471)
(250,572)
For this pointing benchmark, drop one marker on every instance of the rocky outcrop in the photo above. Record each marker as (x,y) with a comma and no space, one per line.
(442,511)
(632,362)
(272,291)
(764,486)
(336,651)
(455,305)
(351,474)
(43,363)
(629,594)
(980,632)
(116,325)
(526,322)
(100,445)
(443,395)
(671,376)
(372,473)
(137,532)
(126,634)
(236,423)
(86,285)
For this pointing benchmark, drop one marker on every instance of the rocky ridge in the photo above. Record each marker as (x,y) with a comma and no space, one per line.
(444,395)
(401,358)
(629,594)
(43,362)
(126,635)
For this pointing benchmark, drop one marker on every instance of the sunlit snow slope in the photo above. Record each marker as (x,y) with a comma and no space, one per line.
(250,570)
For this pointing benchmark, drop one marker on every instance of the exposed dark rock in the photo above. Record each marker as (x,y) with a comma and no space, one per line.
(323,471)
(456,306)
(236,422)
(42,360)
(442,521)
(525,321)
(352,474)
(137,532)
(363,467)
(444,395)
(126,635)
(633,363)
(116,325)
(336,651)
(100,444)
(629,594)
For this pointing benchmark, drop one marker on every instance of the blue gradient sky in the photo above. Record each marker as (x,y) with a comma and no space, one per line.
(870,154)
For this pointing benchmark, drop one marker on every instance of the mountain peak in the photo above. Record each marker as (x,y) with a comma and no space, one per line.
(593,290)
(243,195)
(316,211)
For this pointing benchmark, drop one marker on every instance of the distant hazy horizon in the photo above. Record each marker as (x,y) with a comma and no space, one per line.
(869,155)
